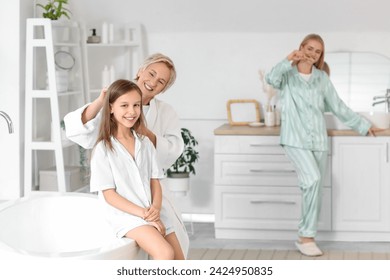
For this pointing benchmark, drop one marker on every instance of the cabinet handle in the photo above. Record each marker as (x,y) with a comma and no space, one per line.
(273,202)
(262,145)
(271,171)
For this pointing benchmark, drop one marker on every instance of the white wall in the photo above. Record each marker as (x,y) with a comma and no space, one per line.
(9,95)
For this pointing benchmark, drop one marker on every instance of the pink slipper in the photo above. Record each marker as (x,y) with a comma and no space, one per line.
(309,249)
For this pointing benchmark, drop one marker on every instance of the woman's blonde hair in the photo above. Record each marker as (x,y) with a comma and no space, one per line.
(108,126)
(320,63)
(156,58)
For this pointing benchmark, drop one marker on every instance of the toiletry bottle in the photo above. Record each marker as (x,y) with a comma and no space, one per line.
(112,74)
(277,116)
(111,33)
(269,117)
(104,33)
(94,39)
(105,77)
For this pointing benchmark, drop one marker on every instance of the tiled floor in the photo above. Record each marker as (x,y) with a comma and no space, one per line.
(204,246)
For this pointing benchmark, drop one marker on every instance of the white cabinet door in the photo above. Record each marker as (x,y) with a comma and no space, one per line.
(361,185)
(265,208)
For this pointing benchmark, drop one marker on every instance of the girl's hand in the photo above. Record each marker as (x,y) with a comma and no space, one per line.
(373,130)
(159,226)
(152,214)
(295,56)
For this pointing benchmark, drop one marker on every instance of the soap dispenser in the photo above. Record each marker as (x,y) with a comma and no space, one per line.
(94,38)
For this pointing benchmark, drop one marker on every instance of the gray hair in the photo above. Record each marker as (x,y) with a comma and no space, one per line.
(156,58)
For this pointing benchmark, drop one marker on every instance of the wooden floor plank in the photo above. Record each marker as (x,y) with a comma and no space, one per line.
(225,254)
(304,257)
(379,256)
(293,255)
(251,255)
(279,255)
(336,255)
(351,256)
(365,256)
(325,256)
(196,253)
(265,255)
(211,254)
(238,254)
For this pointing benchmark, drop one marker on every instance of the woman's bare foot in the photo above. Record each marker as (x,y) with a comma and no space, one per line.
(306,239)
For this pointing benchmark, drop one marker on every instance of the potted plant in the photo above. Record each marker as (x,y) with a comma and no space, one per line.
(178,174)
(54,9)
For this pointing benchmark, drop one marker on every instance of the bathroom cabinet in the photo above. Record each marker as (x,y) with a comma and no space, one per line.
(361,184)
(256,189)
(257,194)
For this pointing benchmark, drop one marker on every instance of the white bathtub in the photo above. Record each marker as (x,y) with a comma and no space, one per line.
(55,225)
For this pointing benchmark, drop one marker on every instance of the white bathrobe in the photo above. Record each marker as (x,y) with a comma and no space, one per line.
(130,177)
(163,121)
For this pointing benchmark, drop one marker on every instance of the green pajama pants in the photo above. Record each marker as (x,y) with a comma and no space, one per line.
(311,168)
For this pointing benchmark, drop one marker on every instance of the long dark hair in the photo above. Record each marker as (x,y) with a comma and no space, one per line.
(108,126)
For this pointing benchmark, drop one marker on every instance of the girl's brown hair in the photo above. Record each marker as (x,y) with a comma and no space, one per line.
(320,63)
(108,126)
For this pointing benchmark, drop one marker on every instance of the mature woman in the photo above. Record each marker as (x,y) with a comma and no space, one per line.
(305,93)
(155,76)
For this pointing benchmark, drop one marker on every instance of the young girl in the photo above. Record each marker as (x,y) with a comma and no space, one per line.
(124,170)
(305,92)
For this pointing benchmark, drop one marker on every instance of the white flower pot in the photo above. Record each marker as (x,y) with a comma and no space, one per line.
(179,185)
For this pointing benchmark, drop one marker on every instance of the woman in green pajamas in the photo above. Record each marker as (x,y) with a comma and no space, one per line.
(305,93)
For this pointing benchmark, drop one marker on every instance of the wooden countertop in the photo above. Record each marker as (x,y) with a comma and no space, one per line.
(227,129)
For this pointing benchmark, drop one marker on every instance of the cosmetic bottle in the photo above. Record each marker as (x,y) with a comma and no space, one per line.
(111,33)
(94,39)
(105,77)
(269,118)
(277,116)
(104,33)
(112,74)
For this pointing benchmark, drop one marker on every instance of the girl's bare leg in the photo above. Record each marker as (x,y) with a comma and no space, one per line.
(152,242)
(174,242)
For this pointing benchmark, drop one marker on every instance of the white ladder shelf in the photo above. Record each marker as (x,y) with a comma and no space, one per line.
(50,93)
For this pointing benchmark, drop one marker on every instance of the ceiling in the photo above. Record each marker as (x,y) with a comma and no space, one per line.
(243,15)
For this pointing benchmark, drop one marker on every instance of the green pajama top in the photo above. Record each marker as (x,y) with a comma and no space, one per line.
(303,104)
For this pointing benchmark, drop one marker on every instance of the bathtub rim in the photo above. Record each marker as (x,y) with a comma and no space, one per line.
(130,243)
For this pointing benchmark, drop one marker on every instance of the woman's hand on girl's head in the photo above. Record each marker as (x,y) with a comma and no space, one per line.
(102,95)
